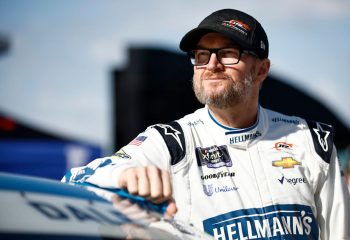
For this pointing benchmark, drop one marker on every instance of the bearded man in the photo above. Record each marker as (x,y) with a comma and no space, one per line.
(233,168)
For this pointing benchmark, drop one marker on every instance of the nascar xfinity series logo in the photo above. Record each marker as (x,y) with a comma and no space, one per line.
(213,157)
(287,221)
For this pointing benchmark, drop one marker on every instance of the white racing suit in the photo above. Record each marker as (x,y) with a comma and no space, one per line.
(279,179)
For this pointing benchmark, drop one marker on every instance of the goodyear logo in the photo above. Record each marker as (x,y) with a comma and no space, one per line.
(286,162)
(287,221)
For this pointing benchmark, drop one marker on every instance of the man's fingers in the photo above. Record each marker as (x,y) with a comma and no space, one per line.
(171,210)
(129,180)
(143,182)
(167,189)
(154,176)
(149,182)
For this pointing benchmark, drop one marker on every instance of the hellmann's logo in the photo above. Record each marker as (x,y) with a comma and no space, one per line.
(287,221)
(244,137)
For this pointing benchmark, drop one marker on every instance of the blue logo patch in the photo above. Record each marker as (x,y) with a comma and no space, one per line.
(286,221)
(213,157)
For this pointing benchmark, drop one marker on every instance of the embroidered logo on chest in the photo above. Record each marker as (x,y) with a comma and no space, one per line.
(213,157)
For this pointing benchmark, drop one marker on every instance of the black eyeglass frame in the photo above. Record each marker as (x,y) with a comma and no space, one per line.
(191,55)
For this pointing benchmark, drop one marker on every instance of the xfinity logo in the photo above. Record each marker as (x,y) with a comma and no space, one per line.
(213,157)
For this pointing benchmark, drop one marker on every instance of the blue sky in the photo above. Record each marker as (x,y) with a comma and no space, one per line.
(57,73)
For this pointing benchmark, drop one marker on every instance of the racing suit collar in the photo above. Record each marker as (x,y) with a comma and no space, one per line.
(234,130)
(242,137)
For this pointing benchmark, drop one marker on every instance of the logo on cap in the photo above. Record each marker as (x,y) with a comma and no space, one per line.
(237,25)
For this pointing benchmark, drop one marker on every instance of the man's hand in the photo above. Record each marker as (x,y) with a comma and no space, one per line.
(151,183)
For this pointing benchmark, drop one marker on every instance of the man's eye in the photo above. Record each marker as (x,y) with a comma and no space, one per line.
(201,54)
(229,53)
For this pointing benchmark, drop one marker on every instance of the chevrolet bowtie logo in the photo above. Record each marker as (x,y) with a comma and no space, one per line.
(286,162)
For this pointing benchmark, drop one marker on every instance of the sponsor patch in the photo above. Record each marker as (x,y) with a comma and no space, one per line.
(285,120)
(121,154)
(195,123)
(279,146)
(213,157)
(210,189)
(286,162)
(283,221)
(244,137)
(293,181)
(218,175)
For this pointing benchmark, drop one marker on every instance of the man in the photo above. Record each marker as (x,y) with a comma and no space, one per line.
(233,168)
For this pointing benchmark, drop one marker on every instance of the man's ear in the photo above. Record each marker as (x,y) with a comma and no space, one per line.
(263,69)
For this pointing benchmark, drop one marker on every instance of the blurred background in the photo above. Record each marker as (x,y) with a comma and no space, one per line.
(79,79)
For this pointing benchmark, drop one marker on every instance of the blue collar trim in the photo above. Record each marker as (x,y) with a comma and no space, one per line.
(234,130)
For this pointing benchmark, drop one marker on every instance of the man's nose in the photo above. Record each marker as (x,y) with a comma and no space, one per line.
(214,63)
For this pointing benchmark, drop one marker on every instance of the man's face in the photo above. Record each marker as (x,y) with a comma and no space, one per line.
(221,85)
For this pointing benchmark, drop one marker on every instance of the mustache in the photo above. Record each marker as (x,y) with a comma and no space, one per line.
(215,75)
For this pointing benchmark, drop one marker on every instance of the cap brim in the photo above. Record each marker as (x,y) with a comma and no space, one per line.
(191,39)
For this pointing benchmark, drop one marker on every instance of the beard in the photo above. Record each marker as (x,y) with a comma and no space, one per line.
(233,93)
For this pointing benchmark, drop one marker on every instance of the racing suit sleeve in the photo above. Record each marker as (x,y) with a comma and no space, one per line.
(333,202)
(148,148)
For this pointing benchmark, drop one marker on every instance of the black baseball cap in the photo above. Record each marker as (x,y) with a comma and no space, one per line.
(242,28)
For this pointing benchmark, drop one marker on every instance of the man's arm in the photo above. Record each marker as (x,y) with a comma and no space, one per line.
(141,167)
(331,194)
(333,203)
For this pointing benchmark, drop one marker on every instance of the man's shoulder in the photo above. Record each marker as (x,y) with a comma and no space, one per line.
(173,134)
(193,119)
(279,118)
(320,134)
(282,118)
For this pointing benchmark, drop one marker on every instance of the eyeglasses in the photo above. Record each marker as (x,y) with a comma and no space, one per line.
(226,56)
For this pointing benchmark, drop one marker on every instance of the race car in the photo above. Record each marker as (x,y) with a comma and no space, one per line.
(38,208)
